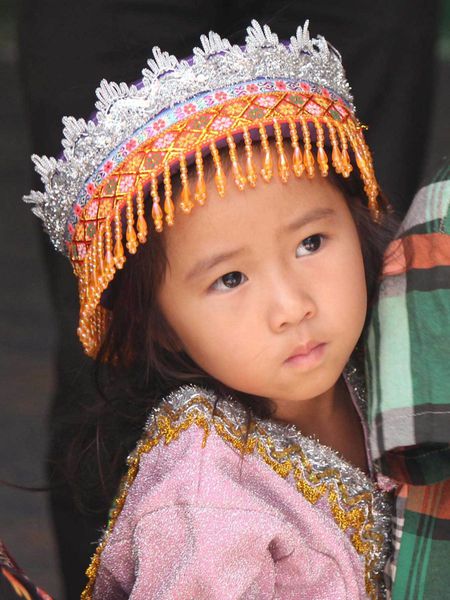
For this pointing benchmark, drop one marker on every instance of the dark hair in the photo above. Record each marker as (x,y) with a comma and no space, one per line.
(140,362)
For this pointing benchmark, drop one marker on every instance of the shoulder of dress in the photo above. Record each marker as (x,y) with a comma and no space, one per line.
(188,406)
(180,405)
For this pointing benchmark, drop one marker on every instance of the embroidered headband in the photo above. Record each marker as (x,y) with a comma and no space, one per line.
(145,134)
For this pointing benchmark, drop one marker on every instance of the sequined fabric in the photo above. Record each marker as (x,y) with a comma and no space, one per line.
(205,513)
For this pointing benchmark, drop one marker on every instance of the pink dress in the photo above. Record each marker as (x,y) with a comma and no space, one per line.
(206,514)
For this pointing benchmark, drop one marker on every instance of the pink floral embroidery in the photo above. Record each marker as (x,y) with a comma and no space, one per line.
(305,86)
(221,96)
(90,188)
(183,111)
(71,229)
(222,123)
(267,101)
(164,140)
(280,85)
(314,109)
(326,93)
(131,144)
(81,248)
(107,167)
(159,125)
(208,100)
(77,210)
(126,183)
(92,210)
(252,88)
(341,110)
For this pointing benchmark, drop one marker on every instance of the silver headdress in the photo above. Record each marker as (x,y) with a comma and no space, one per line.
(123,109)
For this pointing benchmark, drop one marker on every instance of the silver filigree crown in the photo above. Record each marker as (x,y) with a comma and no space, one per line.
(122,108)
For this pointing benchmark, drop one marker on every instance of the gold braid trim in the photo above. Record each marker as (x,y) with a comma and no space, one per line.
(169,424)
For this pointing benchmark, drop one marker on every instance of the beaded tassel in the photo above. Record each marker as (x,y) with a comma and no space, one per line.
(361,156)
(84,287)
(308,155)
(297,160)
(93,267)
(200,188)
(186,202)
(336,158)
(250,168)
(346,164)
(130,233)
(141,222)
(358,153)
(81,332)
(366,153)
(239,178)
(322,157)
(95,326)
(109,257)
(219,177)
(267,170)
(169,208)
(157,213)
(100,255)
(119,256)
(283,166)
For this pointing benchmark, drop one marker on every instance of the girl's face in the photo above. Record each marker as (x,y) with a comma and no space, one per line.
(265,288)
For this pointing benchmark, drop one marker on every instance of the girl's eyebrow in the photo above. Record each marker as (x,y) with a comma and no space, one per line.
(313,215)
(208,263)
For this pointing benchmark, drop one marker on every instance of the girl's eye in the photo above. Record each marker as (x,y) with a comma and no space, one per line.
(309,245)
(229,281)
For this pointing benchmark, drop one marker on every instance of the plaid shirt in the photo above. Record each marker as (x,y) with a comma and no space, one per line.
(408,373)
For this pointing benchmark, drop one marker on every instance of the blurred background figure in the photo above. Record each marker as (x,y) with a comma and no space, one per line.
(53,55)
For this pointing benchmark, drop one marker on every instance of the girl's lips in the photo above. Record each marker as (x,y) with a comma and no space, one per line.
(307,357)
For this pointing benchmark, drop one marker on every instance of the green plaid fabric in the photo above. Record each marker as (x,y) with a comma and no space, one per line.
(408,374)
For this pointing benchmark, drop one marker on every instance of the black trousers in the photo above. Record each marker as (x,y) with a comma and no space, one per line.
(67,47)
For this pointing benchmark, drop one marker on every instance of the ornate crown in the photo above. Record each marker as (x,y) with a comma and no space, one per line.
(181,110)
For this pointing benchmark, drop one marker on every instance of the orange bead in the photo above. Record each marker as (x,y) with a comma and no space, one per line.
(251,173)
(200,191)
(220,181)
(336,158)
(322,159)
(283,167)
(186,203)
(297,162)
(309,162)
(142,229)
(157,216)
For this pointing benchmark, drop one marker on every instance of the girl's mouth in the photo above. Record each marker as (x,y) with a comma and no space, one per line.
(307,356)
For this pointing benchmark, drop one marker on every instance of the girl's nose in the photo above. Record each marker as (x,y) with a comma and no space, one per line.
(289,304)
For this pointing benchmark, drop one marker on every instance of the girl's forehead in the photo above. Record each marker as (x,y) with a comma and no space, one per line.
(274,207)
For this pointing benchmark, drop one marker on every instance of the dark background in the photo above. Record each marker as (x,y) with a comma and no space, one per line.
(27,334)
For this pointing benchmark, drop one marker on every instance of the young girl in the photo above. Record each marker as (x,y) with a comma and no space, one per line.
(239,325)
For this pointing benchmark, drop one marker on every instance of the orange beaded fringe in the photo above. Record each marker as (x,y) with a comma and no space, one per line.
(106,253)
